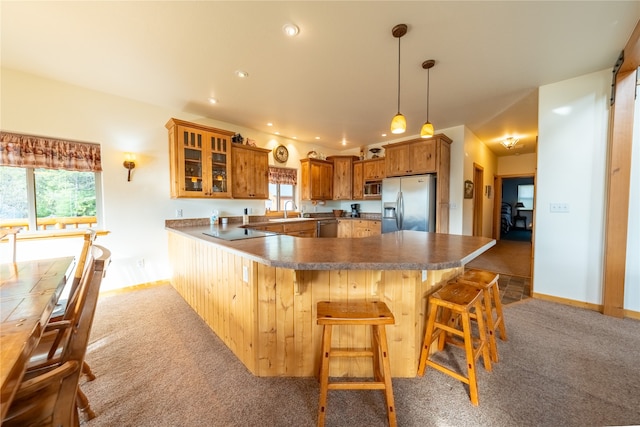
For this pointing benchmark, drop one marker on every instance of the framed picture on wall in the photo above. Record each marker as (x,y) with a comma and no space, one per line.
(468,189)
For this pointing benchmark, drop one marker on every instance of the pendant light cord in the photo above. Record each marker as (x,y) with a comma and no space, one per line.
(399,75)
(428,73)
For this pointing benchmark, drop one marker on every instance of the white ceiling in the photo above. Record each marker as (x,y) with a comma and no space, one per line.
(338,78)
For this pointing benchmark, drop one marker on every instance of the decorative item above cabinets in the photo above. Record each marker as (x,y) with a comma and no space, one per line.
(281,154)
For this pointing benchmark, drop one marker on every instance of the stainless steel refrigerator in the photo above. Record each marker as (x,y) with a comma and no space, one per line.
(409,203)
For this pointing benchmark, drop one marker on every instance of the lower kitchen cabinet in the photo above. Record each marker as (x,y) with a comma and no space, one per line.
(358,227)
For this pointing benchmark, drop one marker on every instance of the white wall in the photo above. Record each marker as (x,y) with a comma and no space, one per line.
(520,165)
(632,272)
(572,151)
(463,156)
(134,212)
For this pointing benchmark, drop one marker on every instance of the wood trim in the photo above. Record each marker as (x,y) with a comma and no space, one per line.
(567,301)
(619,177)
(478,201)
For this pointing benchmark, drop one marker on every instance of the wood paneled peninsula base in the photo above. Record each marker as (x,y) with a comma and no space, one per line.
(259,295)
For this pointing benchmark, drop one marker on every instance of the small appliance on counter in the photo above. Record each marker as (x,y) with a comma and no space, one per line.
(355,210)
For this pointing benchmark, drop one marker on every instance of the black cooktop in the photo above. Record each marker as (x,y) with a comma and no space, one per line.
(237,233)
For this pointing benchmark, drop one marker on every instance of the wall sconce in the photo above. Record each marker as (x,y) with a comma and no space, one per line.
(129,163)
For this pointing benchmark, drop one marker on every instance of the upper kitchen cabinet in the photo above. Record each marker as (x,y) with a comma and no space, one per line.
(358,181)
(342,176)
(250,172)
(200,160)
(374,169)
(317,179)
(417,156)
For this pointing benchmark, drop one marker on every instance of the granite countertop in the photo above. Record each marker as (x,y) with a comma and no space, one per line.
(402,250)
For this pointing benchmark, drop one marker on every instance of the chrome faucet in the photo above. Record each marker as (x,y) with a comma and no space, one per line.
(293,207)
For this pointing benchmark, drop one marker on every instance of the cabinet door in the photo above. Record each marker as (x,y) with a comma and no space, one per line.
(344,227)
(218,159)
(423,157)
(200,160)
(358,181)
(397,161)
(342,181)
(327,181)
(365,228)
(250,168)
(374,170)
(317,179)
(191,168)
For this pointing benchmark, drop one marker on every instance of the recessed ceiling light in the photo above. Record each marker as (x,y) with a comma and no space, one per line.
(242,74)
(344,142)
(290,30)
(269,124)
(317,137)
(213,101)
(277,133)
(295,137)
(384,134)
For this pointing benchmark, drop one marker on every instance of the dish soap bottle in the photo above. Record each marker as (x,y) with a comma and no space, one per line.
(245,217)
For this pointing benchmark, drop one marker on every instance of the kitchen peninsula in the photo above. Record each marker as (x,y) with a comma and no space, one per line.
(259,294)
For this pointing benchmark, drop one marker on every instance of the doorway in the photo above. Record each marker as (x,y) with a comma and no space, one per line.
(516,208)
(478,185)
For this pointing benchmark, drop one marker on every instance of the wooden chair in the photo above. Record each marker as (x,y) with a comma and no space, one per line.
(49,347)
(450,322)
(375,314)
(11,233)
(488,283)
(48,395)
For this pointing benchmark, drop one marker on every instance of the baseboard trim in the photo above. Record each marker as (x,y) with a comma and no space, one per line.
(580,304)
(571,302)
(135,287)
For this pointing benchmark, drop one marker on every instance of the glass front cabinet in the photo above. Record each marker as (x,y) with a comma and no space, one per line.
(200,159)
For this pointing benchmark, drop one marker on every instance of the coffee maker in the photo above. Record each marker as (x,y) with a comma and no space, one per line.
(355,210)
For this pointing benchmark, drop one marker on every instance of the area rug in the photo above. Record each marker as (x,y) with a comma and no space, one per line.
(506,257)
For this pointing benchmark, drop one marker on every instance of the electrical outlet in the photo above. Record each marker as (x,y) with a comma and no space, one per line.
(453,206)
(559,207)
(140,263)
(178,213)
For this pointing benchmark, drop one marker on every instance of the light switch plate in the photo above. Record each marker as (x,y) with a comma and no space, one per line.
(559,207)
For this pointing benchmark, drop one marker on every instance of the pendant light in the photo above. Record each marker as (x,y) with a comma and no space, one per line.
(399,123)
(427,127)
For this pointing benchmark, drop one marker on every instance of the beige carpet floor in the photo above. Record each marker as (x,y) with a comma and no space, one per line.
(506,257)
(158,364)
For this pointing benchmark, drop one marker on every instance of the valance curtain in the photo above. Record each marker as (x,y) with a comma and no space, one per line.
(283,176)
(29,151)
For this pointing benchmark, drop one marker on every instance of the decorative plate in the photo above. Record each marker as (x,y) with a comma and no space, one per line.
(280,153)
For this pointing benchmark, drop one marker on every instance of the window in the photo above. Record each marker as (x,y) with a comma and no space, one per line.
(48,183)
(279,194)
(43,199)
(525,196)
(282,187)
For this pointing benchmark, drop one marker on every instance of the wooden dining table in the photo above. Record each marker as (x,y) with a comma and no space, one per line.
(29,291)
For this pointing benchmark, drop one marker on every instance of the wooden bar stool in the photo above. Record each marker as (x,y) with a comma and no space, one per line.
(375,314)
(450,306)
(488,283)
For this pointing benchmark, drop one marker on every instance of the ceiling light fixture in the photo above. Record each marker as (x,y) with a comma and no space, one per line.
(510,142)
(399,123)
(242,74)
(427,127)
(213,101)
(290,30)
